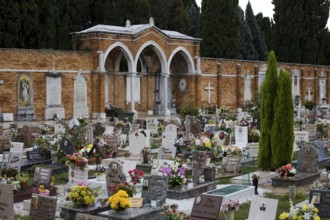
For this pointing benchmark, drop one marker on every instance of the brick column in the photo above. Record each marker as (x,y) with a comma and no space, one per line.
(219,85)
(98,105)
(238,91)
(302,86)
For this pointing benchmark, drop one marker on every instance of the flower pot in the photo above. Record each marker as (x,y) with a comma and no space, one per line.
(229,215)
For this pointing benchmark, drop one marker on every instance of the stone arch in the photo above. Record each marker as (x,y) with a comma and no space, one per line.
(186,56)
(158,50)
(127,53)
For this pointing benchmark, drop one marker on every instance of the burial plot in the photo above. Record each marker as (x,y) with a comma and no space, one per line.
(98,130)
(233,165)
(114,176)
(321,202)
(154,189)
(112,141)
(137,141)
(263,208)
(241,136)
(66,146)
(6,202)
(169,136)
(16,154)
(166,153)
(206,207)
(152,125)
(42,175)
(311,128)
(43,207)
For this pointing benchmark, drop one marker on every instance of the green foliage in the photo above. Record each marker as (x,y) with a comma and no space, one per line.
(188,109)
(268,94)
(282,135)
(257,38)
(310,105)
(9,172)
(219,29)
(193,13)
(266,29)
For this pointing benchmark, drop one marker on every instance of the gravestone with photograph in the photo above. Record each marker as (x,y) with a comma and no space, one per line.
(241,136)
(137,141)
(16,155)
(5,160)
(206,207)
(154,189)
(59,129)
(66,146)
(152,125)
(253,150)
(27,136)
(114,176)
(263,208)
(321,202)
(6,201)
(42,175)
(43,207)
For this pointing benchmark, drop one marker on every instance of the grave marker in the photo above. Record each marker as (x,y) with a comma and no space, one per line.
(308,158)
(66,146)
(169,136)
(6,202)
(206,207)
(154,189)
(241,136)
(322,202)
(253,150)
(80,107)
(127,128)
(263,208)
(98,129)
(77,175)
(301,136)
(152,125)
(42,207)
(16,154)
(5,160)
(42,175)
(114,175)
(233,164)
(82,216)
(198,165)
(311,128)
(137,141)
(158,165)
(166,153)
(112,141)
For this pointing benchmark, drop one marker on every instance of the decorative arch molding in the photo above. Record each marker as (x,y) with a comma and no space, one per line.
(187,57)
(127,53)
(158,50)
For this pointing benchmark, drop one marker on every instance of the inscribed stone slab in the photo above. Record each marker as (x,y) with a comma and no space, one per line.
(308,158)
(16,154)
(207,206)
(154,188)
(322,202)
(43,207)
(241,136)
(137,141)
(263,208)
(166,153)
(80,97)
(152,125)
(6,202)
(42,175)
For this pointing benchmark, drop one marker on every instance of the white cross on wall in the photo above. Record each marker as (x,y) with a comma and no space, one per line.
(209,88)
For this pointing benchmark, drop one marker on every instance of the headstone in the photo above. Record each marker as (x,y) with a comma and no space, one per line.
(194,126)
(322,202)
(98,130)
(141,122)
(42,175)
(253,150)
(135,127)
(90,135)
(111,140)
(198,165)
(127,128)
(222,138)
(80,107)
(127,165)
(6,202)
(169,135)
(157,166)
(206,207)
(109,130)
(5,160)
(301,136)
(233,164)
(25,108)
(114,175)
(136,143)
(77,175)
(308,158)
(43,207)
(59,129)
(27,136)
(247,88)
(166,153)
(53,96)
(122,139)
(152,125)
(82,216)
(241,136)
(66,146)
(154,189)
(263,208)
(16,155)
(7,117)
(311,128)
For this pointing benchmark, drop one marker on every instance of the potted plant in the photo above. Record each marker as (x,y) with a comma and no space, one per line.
(255,181)
(171,212)
(82,195)
(100,173)
(229,208)
(23,179)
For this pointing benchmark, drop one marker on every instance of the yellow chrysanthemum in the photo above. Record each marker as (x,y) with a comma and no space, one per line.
(315,210)
(283,216)
(304,208)
(300,218)
(316,217)
(122,193)
(207,143)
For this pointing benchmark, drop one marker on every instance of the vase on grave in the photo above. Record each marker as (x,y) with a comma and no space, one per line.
(229,215)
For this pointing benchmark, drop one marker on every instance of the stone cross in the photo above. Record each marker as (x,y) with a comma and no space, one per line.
(209,88)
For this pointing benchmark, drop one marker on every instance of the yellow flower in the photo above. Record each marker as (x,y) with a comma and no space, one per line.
(315,210)
(83,193)
(283,216)
(90,146)
(207,143)
(316,217)
(304,208)
(300,218)
(294,217)
(122,193)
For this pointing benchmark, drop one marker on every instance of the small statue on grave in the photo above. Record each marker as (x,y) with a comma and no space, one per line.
(224,162)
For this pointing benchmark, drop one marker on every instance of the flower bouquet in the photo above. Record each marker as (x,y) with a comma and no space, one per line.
(286,170)
(119,200)
(136,176)
(76,160)
(41,190)
(305,212)
(120,124)
(176,174)
(231,205)
(130,190)
(171,212)
(82,195)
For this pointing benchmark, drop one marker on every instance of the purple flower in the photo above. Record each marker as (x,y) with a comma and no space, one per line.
(167,171)
(182,171)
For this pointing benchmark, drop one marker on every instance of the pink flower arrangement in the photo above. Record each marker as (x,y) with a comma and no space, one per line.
(136,176)
(230,205)
(286,170)
(76,160)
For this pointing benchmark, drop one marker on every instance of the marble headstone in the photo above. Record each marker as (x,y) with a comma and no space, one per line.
(80,107)
(311,128)
(6,201)
(206,207)
(59,129)
(82,216)
(263,208)
(25,105)
(27,136)
(112,141)
(77,175)
(16,155)
(42,175)
(152,125)
(137,141)
(253,150)
(166,153)
(241,136)
(308,158)
(114,175)
(198,165)
(233,164)
(43,207)
(169,135)
(154,188)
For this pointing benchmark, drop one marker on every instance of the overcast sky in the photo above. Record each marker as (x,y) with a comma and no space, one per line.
(264,6)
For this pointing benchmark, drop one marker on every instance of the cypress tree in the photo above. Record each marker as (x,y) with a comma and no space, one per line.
(282,135)
(219,29)
(159,13)
(176,19)
(265,25)
(193,13)
(247,51)
(257,38)
(268,95)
